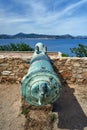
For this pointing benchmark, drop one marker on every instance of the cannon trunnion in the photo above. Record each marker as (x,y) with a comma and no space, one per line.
(41,85)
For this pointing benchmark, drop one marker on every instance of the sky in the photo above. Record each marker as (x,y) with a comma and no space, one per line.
(56,17)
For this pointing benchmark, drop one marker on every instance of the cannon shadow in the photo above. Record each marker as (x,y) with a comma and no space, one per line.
(70,114)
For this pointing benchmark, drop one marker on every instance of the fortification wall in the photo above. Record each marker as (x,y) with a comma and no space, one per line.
(14,67)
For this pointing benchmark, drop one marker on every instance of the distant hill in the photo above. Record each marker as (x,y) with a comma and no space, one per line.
(32,35)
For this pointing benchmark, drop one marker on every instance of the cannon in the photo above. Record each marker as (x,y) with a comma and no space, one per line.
(41,85)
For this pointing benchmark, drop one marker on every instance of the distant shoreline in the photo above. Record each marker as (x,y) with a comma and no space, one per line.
(40,36)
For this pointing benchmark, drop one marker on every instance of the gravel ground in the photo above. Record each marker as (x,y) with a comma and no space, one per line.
(71,108)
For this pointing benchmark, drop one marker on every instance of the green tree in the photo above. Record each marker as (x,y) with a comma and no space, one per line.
(80,51)
(16,47)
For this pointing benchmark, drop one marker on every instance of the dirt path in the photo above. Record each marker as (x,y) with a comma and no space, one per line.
(10,102)
(71,108)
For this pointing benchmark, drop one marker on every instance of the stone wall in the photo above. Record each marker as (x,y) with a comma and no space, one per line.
(12,69)
(72,70)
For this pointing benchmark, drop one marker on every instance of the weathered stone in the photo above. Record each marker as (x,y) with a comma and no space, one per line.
(84,69)
(74,70)
(63,67)
(66,74)
(12,74)
(73,79)
(6,72)
(80,70)
(85,75)
(80,80)
(77,64)
(80,76)
(4,64)
(68,62)
(1,60)
(84,81)
(60,71)
(21,66)
(26,65)
(70,69)
(74,75)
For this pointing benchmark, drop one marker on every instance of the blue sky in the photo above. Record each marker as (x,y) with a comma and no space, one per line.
(43,16)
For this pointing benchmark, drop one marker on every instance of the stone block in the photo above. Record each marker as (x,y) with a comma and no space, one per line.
(5,72)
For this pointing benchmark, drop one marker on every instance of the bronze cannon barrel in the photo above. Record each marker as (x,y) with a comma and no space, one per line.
(41,85)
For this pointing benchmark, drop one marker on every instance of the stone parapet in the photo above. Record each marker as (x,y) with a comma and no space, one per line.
(71,70)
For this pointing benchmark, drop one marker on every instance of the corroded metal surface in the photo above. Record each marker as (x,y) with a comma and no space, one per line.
(41,85)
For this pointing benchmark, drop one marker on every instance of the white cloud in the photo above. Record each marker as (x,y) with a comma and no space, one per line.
(38,18)
(72,26)
(74,6)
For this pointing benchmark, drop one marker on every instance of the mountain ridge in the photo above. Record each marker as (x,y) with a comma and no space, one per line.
(43,36)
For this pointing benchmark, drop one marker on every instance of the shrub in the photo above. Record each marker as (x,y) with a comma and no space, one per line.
(16,47)
(64,55)
(80,51)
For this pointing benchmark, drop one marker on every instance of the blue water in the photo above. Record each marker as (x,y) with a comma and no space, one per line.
(53,45)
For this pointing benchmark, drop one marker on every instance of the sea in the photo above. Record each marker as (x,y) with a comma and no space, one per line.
(53,45)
